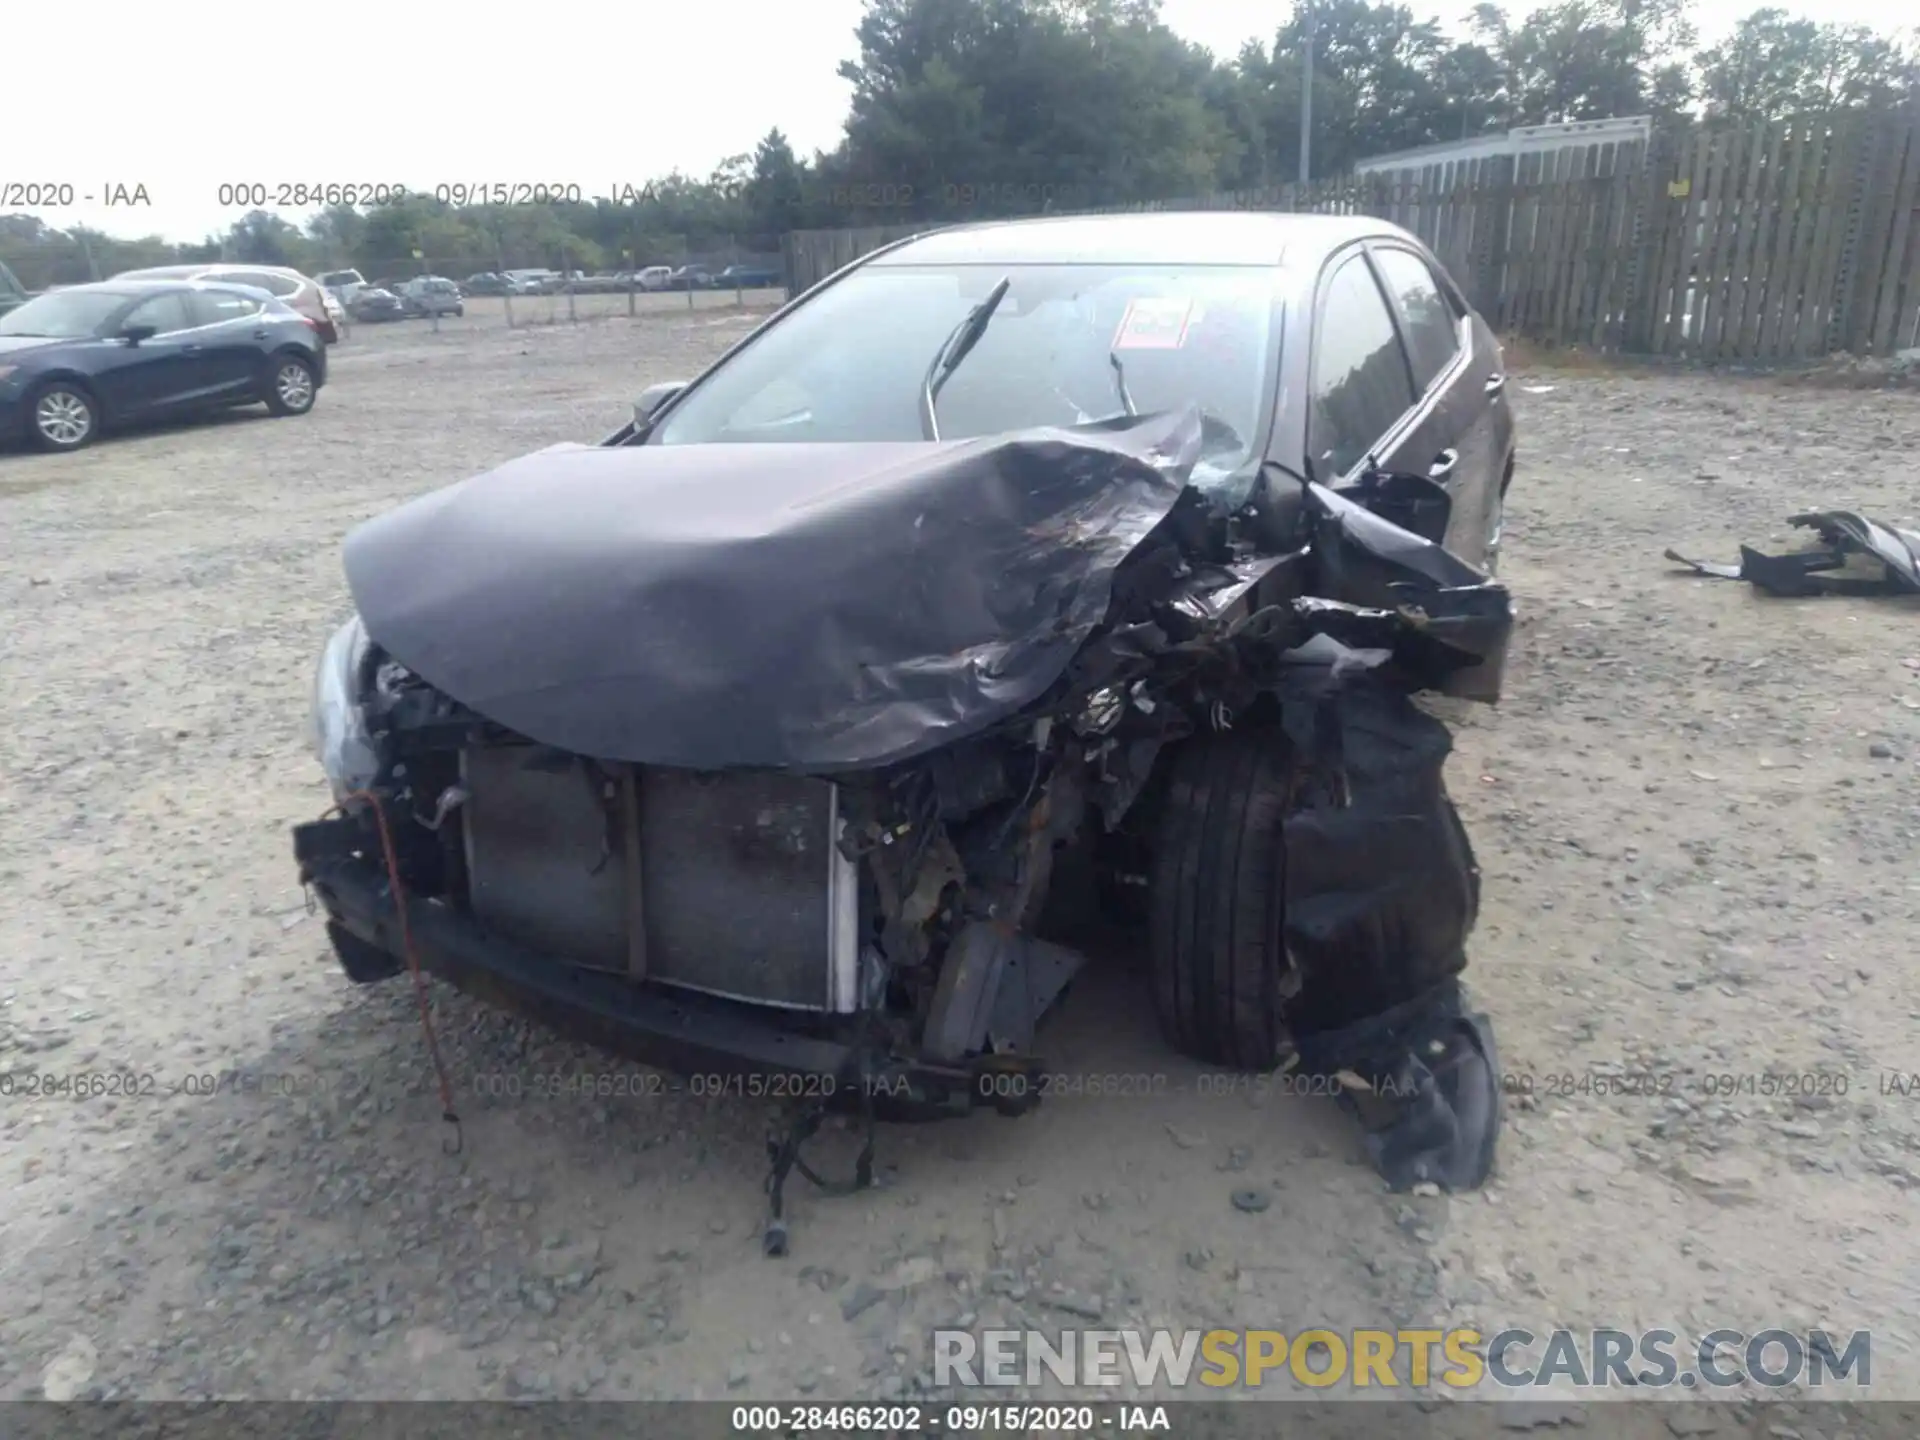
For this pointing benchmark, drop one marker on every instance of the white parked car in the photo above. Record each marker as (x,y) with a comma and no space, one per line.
(343,285)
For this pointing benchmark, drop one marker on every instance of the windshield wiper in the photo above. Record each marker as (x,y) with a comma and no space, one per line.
(1120,382)
(955,348)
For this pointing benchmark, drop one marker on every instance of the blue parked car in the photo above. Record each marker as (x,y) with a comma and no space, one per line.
(76,361)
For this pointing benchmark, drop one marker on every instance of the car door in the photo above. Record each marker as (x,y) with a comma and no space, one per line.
(160,373)
(232,340)
(1460,381)
(1361,393)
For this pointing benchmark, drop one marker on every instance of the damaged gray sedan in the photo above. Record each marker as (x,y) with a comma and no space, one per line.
(750,739)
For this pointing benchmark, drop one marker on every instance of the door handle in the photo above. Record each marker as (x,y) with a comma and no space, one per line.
(259,334)
(1443,464)
(1496,384)
(190,349)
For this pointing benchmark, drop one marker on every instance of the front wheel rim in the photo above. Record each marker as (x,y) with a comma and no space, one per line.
(295,387)
(63,417)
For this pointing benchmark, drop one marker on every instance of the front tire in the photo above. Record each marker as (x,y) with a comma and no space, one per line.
(1217,900)
(63,415)
(291,386)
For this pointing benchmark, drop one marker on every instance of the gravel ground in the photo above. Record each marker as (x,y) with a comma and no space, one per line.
(1696,815)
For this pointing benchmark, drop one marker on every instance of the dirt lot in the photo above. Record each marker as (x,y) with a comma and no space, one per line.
(1696,815)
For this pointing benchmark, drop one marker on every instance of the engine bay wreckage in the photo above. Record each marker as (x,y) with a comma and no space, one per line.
(757,759)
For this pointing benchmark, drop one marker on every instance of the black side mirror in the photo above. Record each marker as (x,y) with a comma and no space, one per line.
(134,334)
(652,398)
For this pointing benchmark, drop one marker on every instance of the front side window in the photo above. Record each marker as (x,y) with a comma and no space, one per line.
(1361,386)
(850,364)
(1427,317)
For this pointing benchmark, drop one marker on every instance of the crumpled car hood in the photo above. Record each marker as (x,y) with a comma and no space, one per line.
(803,606)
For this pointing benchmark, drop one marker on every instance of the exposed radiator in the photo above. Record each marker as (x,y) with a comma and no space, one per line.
(741,890)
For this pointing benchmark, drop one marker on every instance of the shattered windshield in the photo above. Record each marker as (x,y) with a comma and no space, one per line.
(850,364)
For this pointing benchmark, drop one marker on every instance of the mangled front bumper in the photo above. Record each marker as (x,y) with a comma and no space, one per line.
(758,1050)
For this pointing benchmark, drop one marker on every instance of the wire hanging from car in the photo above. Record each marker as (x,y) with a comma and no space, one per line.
(413,961)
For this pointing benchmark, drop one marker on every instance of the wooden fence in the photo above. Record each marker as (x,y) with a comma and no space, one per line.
(1758,244)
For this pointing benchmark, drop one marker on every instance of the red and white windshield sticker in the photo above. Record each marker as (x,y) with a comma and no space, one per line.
(1154,322)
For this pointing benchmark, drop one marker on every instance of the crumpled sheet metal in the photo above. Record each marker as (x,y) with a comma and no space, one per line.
(1367,560)
(1849,542)
(824,607)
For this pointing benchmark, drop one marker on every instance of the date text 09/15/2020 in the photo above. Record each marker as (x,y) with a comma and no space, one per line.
(1018,1419)
(146,1085)
(1525,1087)
(1120,1085)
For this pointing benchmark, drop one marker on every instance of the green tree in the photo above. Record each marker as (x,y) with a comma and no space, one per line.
(1773,65)
(776,189)
(1595,59)
(261,237)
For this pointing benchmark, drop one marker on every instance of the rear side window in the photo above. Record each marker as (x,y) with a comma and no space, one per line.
(1427,318)
(166,313)
(211,307)
(265,280)
(1361,387)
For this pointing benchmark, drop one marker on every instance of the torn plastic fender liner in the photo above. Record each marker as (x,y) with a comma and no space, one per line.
(1847,537)
(803,606)
(1382,888)
(1382,891)
(1366,559)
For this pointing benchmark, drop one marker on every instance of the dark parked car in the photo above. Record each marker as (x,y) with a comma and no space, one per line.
(486,283)
(91,357)
(751,739)
(690,277)
(747,277)
(431,295)
(377,303)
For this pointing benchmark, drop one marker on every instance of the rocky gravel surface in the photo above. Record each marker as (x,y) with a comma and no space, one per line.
(1696,813)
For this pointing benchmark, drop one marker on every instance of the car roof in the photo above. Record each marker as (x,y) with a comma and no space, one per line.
(159,272)
(129,287)
(1163,237)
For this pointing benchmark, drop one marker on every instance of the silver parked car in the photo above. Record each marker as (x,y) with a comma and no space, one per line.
(432,295)
(298,292)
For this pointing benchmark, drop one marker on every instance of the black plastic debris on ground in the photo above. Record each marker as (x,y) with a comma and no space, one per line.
(1857,556)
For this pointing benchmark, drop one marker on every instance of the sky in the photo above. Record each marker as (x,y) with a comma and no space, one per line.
(601,96)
